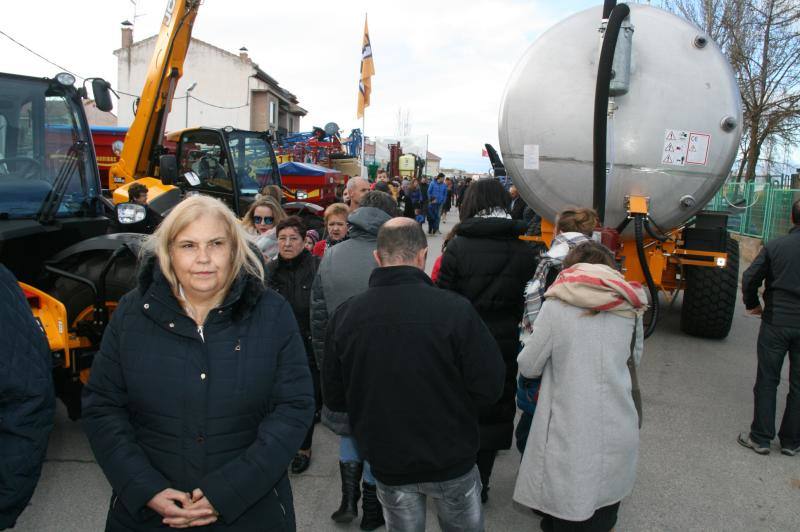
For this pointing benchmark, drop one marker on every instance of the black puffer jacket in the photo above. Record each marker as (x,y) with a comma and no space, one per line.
(293,279)
(224,413)
(488,264)
(27,400)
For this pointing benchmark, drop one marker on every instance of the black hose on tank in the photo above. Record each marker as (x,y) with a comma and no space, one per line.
(638,225)
(604,67)
(608,5)
(652,232)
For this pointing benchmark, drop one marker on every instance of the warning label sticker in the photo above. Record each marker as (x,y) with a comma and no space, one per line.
(698,149)
(682,147)
(530,159)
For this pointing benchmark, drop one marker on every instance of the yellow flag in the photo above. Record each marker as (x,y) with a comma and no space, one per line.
(367,71)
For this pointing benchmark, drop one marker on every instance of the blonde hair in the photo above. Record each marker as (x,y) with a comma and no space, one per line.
(577,220)
(336,209)
(273,191)
(243,256)
(264,201)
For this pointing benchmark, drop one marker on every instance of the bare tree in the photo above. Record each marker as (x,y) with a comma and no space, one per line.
(762,41)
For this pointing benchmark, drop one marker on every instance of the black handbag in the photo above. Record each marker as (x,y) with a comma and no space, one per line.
(636,392)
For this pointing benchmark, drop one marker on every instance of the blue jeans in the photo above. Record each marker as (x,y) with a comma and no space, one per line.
(458,504)
(523,430)
(434,216)
(348,452)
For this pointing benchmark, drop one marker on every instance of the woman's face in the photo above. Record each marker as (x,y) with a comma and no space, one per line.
(290,243)
(263,219)
(336,227)
(201,258)
(309,243)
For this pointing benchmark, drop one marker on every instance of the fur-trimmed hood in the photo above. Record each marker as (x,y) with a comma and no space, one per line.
(242,296)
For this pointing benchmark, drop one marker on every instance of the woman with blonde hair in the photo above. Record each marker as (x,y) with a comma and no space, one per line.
(260,220)
(200,394)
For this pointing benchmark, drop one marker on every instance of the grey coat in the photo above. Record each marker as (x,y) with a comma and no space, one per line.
(583,446)
(343,273)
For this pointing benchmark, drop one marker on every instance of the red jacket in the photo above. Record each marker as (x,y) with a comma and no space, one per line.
(319,248)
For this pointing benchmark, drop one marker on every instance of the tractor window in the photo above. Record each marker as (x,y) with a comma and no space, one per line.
(25,130)
(203,163)
(47,168)
(3,129)
(253,158)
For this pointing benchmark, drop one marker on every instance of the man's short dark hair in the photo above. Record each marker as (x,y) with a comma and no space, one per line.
(379,200)
(136,190)
(400,243)
(796,212)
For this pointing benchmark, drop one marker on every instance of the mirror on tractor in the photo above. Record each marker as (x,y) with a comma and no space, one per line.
(130,213)
(168,168)
(101,90)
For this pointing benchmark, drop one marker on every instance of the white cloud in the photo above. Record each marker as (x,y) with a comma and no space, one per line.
(447,61)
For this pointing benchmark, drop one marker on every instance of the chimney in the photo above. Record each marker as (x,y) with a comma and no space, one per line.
(243,54)
(127,34)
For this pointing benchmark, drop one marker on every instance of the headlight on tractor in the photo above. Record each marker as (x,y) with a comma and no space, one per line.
(301,195)
(130,213)
(66,79)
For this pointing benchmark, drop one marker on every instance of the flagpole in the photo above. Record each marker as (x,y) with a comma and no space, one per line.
(364,172)
(363,145)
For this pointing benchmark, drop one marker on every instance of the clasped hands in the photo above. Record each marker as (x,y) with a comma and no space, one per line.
(183,510)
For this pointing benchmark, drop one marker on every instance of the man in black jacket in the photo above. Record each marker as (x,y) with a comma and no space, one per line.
(778,264)
(27,400)
(412,377)
(516,208)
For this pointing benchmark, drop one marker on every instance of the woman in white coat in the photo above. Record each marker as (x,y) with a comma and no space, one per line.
(580,458)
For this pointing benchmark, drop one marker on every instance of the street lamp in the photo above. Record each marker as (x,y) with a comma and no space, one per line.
(190,89)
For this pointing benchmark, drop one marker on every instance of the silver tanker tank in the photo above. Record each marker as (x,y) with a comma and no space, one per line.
(672,137)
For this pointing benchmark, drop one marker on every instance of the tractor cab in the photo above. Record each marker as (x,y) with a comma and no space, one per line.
(230,164)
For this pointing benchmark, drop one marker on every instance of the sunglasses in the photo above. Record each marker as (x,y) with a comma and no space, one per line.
(266,220)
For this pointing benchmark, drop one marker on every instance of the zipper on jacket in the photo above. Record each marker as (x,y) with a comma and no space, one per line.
(279,502)
(200,332)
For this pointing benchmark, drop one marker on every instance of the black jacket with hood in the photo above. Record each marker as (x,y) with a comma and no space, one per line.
(27,400)
(293,279)
(225,412)
(488,264)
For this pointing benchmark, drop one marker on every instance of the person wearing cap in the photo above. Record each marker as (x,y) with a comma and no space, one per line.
(311,239)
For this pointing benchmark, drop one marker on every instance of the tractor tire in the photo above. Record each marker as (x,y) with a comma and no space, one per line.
(77,297)
(709,299)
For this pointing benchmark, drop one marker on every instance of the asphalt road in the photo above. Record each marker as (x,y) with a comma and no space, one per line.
(692,475)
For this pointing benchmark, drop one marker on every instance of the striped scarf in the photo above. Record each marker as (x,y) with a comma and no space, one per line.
(599,288)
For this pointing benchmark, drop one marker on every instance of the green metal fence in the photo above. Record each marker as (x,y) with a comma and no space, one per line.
(757,210)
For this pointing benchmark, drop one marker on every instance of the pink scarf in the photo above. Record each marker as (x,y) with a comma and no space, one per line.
(599,288)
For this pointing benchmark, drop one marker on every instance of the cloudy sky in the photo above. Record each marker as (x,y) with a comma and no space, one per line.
(445,62)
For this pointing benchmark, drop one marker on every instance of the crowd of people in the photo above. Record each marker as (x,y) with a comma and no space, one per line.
(242,335)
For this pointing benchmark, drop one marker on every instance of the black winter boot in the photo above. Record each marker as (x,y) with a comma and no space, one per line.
(372,512)
(351,476)
(485,464)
